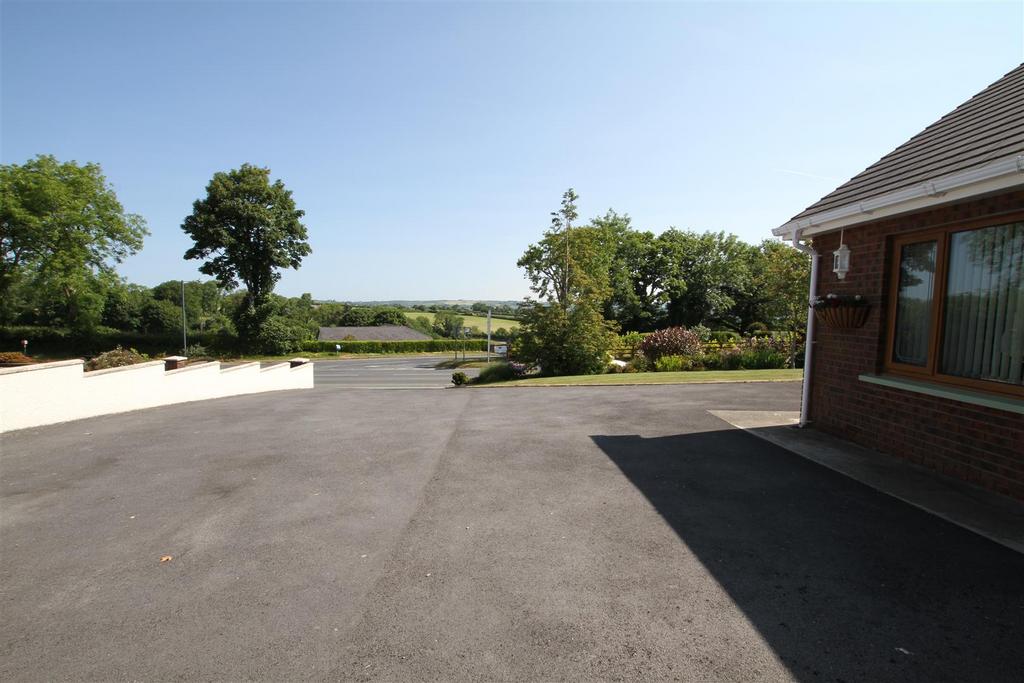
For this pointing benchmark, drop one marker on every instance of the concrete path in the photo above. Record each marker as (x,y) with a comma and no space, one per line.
(996,517)
(527,534)
(417,372)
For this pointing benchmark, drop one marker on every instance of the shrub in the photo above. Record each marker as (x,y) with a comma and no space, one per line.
(459,378)
(724,337)
(626,345)
(197,351)
(565,341)
(672,341)
(703,333)
(277,336)
(730,359)
(639,363)
(758,330)
(116,358)
(673,364)
(762,359)
(708,361)
(14,358)
(495,372)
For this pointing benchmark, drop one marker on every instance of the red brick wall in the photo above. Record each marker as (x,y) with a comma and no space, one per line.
(982,445)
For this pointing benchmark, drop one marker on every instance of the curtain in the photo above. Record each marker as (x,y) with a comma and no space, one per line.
(983,334)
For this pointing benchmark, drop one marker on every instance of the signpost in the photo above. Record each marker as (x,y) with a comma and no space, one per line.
(488,335)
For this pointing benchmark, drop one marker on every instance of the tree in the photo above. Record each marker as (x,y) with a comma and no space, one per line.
(389,315)
(247,229)
(123,307)
(784,278)
(62,230)
(564,331)
(447,324)
(160,315)
(203,300)
(712,272)
(642,275)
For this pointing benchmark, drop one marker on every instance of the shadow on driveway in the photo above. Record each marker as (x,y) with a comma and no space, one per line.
(844,583)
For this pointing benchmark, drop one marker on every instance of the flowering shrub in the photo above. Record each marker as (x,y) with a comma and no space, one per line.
(672,341)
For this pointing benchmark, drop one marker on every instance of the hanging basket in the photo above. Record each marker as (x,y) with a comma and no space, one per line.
(843,317)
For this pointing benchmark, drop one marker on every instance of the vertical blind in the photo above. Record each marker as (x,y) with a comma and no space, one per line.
(983,333)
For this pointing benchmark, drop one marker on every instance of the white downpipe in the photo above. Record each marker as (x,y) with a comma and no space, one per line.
(809,342)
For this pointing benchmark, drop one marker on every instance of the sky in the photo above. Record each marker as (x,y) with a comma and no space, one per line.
(428,142)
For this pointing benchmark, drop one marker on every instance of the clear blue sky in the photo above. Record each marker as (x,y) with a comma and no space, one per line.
(428,142)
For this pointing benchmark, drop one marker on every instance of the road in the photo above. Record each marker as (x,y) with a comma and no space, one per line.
(570,533)
(419,372)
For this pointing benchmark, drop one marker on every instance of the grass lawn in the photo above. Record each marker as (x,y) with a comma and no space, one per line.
(691,377)
(477,321)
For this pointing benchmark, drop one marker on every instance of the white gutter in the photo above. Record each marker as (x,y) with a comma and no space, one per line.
(996,175)
(805,397)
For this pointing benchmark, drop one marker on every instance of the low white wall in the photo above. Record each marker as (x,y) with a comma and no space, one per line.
(48,393)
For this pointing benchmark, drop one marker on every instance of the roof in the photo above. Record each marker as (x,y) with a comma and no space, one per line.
(377,333)
(985,129)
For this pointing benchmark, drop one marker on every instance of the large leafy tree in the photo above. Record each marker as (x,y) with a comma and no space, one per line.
(643,274)
(783,277)
(62,230)
(203,300)
(247,229)
(711,272)
(563,330)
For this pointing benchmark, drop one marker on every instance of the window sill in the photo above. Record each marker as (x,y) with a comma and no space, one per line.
(977,398)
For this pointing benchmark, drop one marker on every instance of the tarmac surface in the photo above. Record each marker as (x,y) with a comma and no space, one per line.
(574,533)
(416,372)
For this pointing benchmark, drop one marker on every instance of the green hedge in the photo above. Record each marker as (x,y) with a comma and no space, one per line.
(55,341)
(413,346)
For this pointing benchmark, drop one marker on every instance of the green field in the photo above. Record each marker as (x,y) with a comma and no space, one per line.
(477,321)
(627,378)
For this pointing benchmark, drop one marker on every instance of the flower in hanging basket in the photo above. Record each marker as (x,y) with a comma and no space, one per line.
(836,300)
(841,311)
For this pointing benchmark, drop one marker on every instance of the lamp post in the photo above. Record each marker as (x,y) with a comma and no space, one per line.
(184,330)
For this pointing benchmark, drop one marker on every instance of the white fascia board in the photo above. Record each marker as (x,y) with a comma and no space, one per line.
(1001,174)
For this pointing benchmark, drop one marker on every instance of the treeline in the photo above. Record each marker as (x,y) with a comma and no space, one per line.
(604,277)
(509,312)
(644,281)
(152,317)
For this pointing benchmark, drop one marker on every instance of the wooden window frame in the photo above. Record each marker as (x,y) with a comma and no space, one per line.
(942,236)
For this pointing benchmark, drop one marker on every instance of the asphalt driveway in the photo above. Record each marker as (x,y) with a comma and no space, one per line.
(558,533)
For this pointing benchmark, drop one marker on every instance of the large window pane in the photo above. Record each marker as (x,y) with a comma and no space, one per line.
(914,303)
(983,334)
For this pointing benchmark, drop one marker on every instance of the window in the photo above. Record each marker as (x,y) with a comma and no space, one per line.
(957,309)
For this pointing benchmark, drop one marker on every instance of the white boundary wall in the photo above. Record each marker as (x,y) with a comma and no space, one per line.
(48,393)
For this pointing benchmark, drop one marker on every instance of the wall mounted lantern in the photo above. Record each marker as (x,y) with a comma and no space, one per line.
(841,259)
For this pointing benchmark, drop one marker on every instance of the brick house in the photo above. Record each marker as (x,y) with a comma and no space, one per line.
(934,237)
